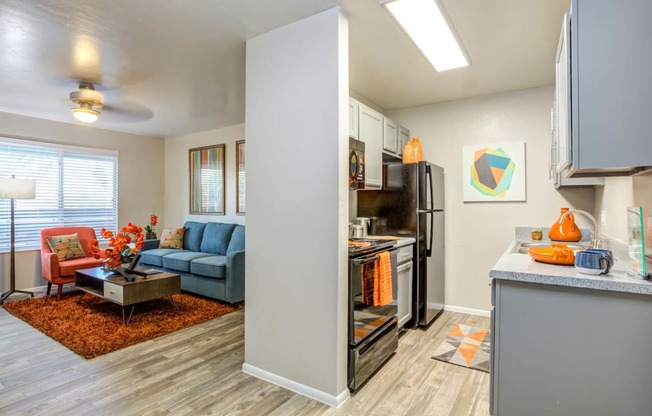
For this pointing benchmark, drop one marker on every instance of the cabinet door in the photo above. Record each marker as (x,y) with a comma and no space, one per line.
(371,133)
(403,138)
(611,86)
(390,135)
(354,108)
(562,99)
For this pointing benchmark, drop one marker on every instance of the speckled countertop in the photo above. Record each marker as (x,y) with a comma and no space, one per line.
(522,268)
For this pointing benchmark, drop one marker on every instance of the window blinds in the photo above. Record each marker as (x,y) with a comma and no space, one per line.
(74,186)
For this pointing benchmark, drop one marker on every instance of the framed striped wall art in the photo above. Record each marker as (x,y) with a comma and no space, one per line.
(207,180)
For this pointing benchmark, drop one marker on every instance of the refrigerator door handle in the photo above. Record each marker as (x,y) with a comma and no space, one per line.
(432,226)
(431,211)
(432,195)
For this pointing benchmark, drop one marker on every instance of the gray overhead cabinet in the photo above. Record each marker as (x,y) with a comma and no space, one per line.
(611,87)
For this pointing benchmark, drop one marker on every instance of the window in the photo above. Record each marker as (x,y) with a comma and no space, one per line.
(207,180)
(240,177)
(74,186)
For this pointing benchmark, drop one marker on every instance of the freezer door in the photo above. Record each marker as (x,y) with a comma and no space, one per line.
(437,178)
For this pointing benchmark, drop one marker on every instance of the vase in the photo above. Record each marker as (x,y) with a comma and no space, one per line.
(150,236)
(409,153)
(537,235)
(419,150)
(566,231)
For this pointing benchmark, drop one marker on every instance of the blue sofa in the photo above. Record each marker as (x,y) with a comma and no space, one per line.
(211,263)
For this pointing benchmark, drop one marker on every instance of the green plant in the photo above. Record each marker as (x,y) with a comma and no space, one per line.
(536,230)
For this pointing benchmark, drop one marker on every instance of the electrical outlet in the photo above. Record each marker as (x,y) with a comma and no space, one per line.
(603,218)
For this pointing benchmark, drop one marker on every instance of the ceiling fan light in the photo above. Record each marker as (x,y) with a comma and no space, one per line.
(85,115)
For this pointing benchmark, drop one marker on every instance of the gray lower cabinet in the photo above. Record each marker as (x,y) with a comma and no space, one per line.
(568,351)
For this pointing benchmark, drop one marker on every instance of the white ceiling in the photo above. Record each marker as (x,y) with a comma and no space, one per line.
(177,66)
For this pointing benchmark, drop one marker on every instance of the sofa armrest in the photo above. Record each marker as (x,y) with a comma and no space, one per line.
(235,276)
(49,265)
(150,244)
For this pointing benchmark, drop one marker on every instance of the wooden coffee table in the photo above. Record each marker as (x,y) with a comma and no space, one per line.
(114,287)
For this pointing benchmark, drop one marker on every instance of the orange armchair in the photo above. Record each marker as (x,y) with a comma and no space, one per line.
(59,273)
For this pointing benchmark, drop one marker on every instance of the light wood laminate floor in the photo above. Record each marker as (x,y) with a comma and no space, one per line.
(197,371)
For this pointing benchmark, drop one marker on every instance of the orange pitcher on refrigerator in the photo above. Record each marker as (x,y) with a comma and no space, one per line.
(566,231)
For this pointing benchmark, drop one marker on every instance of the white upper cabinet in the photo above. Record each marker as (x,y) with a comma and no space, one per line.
(371,133)
(390,135)
(403,138)
(354,108)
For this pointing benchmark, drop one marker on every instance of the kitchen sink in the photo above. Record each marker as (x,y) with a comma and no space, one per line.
(522,247)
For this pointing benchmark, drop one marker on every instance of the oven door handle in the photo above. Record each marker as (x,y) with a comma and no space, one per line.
(365,260)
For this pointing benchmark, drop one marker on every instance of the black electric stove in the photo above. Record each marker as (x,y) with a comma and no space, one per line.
(374,246)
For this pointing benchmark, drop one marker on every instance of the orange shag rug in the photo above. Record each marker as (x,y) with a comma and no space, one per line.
(94,326)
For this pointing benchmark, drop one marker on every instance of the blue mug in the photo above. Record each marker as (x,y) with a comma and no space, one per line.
(594,261)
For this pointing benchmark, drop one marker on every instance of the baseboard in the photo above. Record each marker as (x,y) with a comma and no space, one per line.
(320,396)
(468,311)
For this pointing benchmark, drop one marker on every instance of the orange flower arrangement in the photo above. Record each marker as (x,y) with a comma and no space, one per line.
(121,249)
(153,220)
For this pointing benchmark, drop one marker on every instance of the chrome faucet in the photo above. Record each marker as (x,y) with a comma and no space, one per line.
(595,242)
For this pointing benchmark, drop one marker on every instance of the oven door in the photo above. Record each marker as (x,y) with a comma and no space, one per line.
(364,319)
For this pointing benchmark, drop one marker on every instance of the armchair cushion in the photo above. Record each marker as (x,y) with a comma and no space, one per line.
(68,267)
(66,247)
(172,238)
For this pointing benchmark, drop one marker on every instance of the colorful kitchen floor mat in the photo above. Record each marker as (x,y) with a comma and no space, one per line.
(467,346)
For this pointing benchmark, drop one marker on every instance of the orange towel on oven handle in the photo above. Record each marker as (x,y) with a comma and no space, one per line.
(383,280)
(368,279)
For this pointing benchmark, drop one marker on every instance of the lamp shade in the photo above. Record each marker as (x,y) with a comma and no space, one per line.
(12,188)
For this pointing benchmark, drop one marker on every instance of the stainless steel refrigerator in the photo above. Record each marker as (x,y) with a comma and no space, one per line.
(411,204)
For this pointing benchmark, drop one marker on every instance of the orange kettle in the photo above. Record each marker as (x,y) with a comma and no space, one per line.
(566,231)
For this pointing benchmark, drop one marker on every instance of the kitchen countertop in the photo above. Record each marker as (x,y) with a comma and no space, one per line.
(522,268)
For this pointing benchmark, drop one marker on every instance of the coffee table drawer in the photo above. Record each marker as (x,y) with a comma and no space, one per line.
(113,292)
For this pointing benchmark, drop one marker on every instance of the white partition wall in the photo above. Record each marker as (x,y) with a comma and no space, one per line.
(297,206)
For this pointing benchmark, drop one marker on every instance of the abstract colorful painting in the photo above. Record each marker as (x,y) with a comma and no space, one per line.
(494,173)
(207,180)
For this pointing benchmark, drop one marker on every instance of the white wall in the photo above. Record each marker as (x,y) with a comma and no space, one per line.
(617,195)
(297,206)
(478,233)
(177,176)
(140,177)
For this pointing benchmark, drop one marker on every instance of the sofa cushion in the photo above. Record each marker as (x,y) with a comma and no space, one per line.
(237,239)
(172,238)
(180,261)
(68,267)
(155,257)
(216,238)
(193,237)
(66,247)
(213,266)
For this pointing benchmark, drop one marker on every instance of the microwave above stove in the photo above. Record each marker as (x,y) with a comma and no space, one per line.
(356,164)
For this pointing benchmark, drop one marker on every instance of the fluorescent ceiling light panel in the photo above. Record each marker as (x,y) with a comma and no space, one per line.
(424,22)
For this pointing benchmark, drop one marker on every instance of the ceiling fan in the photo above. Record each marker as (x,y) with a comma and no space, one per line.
(90,102)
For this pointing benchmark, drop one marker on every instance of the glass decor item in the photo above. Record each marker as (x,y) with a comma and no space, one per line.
(419,150)
(409,153)
(636,237)
(566,231)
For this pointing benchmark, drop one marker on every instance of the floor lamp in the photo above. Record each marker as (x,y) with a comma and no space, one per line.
(12,188)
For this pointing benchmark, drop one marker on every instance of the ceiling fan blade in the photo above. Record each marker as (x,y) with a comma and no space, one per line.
(126,112)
